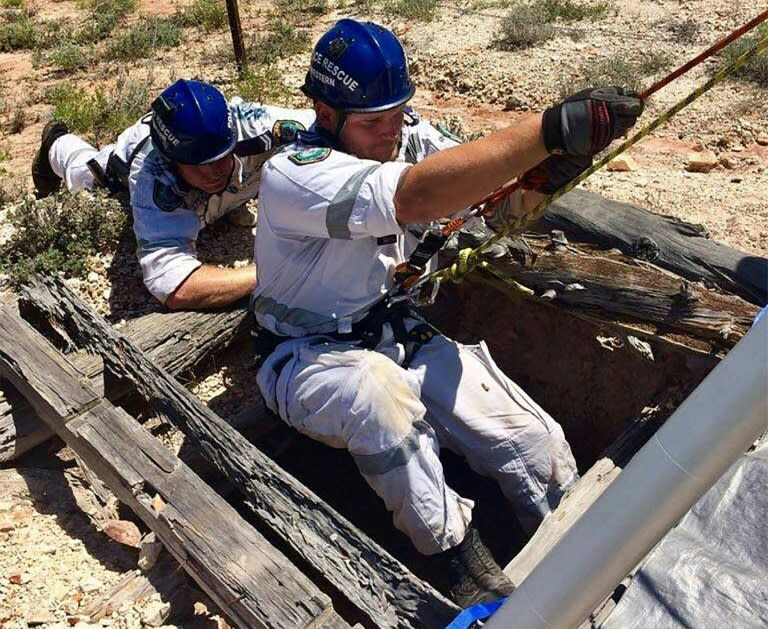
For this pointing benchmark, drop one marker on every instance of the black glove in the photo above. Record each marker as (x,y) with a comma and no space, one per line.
(554,172)
(588,121)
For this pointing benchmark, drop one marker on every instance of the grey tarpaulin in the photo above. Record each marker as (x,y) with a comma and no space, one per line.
(710,571)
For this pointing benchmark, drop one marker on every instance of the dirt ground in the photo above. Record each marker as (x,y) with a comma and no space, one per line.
(54,561)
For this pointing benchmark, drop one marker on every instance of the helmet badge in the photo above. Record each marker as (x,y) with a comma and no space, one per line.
(336,48)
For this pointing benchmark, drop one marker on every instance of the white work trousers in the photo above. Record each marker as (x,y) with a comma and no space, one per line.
(69,157)
(394,420)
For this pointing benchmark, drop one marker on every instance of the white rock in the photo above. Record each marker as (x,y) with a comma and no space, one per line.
(155,613)
(40,617)
(701,161)
(59,591)
(93,277)
(149,552)
(90,584)
(762,139)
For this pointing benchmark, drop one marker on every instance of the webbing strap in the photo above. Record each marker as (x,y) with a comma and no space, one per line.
(481,611)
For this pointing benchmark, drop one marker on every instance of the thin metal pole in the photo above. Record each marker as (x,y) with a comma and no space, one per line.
(237,36)
(697,444)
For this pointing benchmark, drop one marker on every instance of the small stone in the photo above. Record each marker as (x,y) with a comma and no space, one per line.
(90,584)
(762,139)
(701,162)
(93,277)
(40,617)
(727,162)
(736,180)
(5,506)
(59,591)
(149,552)
(6,525)
(622,164)
(123,532)
(155,613)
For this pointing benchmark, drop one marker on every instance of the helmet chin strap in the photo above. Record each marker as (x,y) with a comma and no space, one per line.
(339,126)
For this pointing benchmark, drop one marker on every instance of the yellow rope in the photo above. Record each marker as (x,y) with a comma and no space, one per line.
(471,258)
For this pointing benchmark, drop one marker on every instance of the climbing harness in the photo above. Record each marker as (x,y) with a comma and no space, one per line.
(412,282)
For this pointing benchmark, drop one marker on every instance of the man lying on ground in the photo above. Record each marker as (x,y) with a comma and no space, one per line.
(186,164)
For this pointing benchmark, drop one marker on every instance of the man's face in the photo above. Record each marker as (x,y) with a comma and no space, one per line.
(211,178)
(371,136)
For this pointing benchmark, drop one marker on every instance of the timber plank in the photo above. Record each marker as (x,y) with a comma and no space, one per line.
(680,247)
(614,286)
(177,341)
(374,582)
(250,580)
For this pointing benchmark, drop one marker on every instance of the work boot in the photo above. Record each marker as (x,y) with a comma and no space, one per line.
(46,181)
(474,575)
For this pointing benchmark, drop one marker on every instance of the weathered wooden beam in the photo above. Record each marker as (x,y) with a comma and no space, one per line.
(609,284)
(375,583)
(176,341)
(250,580)
(680,247)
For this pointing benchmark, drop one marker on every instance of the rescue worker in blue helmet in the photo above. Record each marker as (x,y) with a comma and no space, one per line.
(193,159)
(355,369)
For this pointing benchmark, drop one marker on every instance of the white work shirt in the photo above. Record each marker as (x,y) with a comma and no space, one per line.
(168,214)
(327,238)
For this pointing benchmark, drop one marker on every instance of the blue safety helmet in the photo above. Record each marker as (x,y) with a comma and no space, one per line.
(191,123)
(359,67)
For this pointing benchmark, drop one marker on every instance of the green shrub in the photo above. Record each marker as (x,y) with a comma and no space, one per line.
(103,17)
(68,57)
(18,120)
(756,69)
(283,40)
(421,10)
(100,115)
(617,71)
(570,11)
(262,83)
(148,35)
(210,15)
(301,8)
(524,26)
(58,234)
(17,33)
(529,23)
(12,4)
(686,31)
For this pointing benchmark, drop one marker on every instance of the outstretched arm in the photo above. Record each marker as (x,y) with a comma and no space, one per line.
(212,287)
(450,180)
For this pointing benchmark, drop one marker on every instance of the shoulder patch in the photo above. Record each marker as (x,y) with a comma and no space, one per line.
(310,156)
(165,197)
(448,134)
(284,131)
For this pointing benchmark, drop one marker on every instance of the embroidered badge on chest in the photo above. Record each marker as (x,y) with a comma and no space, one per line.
(310,156)
(284,131)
